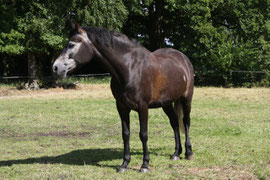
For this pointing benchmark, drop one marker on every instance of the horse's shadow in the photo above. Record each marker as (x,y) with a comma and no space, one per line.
(77,157)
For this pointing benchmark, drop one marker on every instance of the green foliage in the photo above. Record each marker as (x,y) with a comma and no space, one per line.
(40,27)
(109,14)
(34,22)
(218,36)
(221,31)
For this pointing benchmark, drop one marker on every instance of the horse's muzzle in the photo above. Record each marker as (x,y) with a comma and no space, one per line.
(62,68)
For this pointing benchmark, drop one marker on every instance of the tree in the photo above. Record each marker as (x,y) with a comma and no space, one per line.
(39,28)
(217,35)
(149,21)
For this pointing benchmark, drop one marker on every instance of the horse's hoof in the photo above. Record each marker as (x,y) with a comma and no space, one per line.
(144,170)
(189,157)
(122,170)
(175,158)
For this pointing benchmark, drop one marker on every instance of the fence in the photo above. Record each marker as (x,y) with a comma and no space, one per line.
(208,78)
(233,78)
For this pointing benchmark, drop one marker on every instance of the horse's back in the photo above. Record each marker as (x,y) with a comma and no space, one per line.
(177,59)
(173,54)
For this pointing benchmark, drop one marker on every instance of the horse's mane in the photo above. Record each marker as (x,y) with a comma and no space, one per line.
(107,37)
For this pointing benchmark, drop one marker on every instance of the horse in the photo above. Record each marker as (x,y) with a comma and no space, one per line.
(140,80)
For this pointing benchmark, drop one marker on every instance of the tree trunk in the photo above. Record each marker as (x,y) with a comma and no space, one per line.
(32,83)
(156,36)
(2,66)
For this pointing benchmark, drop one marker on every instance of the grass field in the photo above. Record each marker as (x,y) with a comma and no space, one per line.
(76,134)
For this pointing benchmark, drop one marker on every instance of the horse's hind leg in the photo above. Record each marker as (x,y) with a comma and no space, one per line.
(175,125)
(186,105)
(124,115)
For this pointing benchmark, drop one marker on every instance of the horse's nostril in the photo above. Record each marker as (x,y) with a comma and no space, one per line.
(55,68)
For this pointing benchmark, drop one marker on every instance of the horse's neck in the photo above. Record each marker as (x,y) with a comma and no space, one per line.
(113,60)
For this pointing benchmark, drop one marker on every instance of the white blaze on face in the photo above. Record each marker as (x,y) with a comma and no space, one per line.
(66,62)
(85,38)
(74,47)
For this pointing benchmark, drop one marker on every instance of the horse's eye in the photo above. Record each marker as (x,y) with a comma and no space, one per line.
(70,46)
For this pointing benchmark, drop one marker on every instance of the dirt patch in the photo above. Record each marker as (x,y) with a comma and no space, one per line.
(230,172)
(81,91)
(62,134)
(239,94)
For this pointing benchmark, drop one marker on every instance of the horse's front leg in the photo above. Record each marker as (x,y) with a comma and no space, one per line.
(143,117)
(124,115)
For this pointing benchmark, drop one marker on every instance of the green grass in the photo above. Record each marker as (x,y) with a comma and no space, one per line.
(19,83)
(62,136)
(88,80)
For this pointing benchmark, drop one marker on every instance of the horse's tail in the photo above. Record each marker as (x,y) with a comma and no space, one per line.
(179,112)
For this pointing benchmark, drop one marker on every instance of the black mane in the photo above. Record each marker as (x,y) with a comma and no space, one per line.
(107,37)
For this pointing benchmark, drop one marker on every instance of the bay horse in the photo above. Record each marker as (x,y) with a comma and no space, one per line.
(140,80)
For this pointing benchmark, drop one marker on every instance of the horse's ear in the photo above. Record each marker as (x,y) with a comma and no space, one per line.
(76,27)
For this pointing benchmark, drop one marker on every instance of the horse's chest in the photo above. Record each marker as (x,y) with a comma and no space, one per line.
(127,96)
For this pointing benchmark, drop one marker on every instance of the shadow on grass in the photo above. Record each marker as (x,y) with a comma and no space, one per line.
(82,157)
(78,157)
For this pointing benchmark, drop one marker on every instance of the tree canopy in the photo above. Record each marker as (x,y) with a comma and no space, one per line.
(41,26)
(219,36)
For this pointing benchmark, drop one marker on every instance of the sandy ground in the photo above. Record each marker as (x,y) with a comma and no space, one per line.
(82,91)
(103,91)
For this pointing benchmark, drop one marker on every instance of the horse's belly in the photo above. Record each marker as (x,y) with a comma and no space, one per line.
(167,93)
(158,104)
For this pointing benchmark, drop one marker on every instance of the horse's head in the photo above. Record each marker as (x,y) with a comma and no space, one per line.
(79,50)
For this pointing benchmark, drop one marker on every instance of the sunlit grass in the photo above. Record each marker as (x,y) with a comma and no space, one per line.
(76,134)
